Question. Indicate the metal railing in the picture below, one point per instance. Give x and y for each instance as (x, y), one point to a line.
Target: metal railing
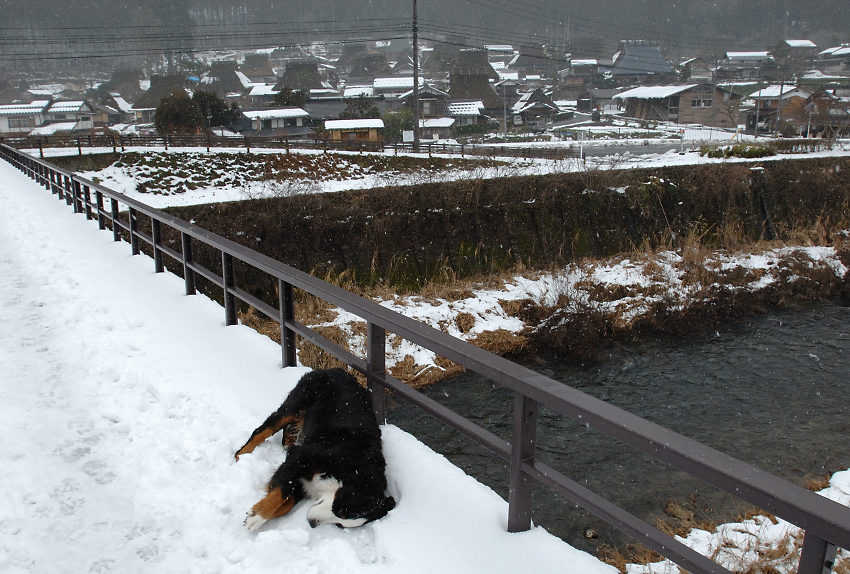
(209, 141)
(826, 523)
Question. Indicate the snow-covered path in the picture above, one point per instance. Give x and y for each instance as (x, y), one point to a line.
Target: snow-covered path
(122, 402)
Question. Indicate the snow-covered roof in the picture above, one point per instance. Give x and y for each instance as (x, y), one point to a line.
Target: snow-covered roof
(818, 75)
(801, 43)
(246, 81)
(499, 48)
(276, 113)
(67, 106)
(23, 109)
(51, 129)
(652, 92)
(466, 108)
(122, 104)
(508, 75)
(585, 62)
(748, 55)
(353, 124)
(776, 90)
(843, 50)
(404, 82)
(263, 90)
(437, 123)
(358, 91)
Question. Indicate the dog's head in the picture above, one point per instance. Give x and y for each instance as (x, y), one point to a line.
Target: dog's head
(345, 507)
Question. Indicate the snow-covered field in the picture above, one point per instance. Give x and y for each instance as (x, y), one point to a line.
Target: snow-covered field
(122, 403)
(124, 181)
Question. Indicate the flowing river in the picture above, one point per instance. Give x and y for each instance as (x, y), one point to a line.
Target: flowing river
(773, 391)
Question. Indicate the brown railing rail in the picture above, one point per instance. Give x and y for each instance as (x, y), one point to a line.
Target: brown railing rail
(826, 523)
(209, 141)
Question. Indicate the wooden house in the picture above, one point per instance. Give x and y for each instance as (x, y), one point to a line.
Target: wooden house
(703, 103)
(355, 130)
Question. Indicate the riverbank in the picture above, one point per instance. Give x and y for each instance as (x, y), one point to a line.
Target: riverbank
(581, 308)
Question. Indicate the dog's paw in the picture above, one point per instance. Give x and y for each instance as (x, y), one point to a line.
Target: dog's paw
(254, 521)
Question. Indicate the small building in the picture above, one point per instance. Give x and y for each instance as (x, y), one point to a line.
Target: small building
(742, 65)
(770, 101)
(287, 121)
(467, 113)
(432, 102)
(835, 60)
(78, 111)
(534, 109)
(436, 128)
(22, 118)
(355, 130)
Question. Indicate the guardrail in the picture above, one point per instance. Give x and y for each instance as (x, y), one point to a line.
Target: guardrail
(209, 141)
(826, 523)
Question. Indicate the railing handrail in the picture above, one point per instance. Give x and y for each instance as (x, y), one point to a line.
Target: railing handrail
(827, 523)
(270, 141)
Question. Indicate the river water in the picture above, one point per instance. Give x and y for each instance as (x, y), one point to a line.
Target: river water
(773, 391)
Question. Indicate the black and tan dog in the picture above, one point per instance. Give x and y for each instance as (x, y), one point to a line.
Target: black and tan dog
(334, 454)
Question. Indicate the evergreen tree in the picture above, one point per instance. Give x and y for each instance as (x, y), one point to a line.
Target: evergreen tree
(178, 114)
(361, 108)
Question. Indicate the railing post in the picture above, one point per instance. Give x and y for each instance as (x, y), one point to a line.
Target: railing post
(78, 196)
(66, 194)
(376, 367)
(522, 450)
(287, 313)
(188, 272)
(229, 282)
(87, 201)
(817, 556)
(156, 237)
(101, 217)
(134, 239)
(116, 229)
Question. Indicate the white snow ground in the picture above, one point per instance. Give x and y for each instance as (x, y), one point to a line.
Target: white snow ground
(122, 403)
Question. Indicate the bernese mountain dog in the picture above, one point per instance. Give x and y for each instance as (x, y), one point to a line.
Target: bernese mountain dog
(333, 454)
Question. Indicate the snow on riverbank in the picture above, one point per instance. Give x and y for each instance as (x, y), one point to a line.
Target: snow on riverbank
(759, 544)
(123, 401)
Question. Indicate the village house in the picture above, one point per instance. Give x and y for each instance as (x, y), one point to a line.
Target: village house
(78, 112)
(703, 103)
(795, 56)
(744, 65)
(469, 79)
(828, 111)
(697, 70)
(283, 122)
(355, 130)
(432, 102)
(596, 99)
(436, 128)
(534, 109)
(835, 60)
(637, 59)
(394, 86)
(467, 113)
(22, 118)
(769, 103)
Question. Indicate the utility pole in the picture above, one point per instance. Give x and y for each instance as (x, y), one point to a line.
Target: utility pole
(415, 81)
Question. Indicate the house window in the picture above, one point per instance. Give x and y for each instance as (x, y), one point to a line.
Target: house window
(21, 123)
(702, 97)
